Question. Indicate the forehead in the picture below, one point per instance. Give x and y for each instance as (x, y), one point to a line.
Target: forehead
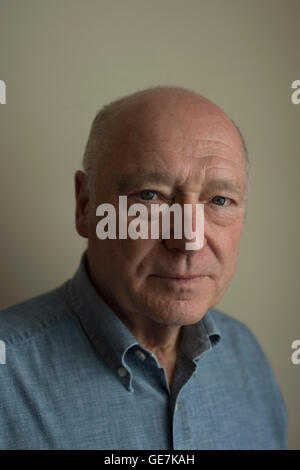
(179, 138)
(170, 117)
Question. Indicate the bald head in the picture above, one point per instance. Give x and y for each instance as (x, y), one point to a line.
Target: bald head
(137, 117)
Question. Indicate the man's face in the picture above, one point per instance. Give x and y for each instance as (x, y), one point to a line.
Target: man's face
(188, 157)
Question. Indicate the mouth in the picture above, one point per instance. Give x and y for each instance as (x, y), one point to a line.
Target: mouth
(181, 279)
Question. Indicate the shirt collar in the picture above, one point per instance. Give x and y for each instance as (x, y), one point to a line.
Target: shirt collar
(109, 335)
(107, 332)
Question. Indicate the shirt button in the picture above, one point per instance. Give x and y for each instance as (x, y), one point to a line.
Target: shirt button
(176, 407)
(140, 355)
(122, 372)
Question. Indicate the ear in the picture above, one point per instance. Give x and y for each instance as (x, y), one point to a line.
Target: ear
(82, 203)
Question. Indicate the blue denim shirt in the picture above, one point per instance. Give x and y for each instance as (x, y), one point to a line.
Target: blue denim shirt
(76, 378)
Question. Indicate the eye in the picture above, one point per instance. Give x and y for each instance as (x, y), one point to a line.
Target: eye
(148, 195)
(219, 200)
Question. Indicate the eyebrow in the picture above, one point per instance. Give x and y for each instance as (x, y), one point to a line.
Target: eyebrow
(226, 185)
(132, 180)
(126, 182)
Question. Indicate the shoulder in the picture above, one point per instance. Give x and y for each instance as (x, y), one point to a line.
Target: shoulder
(32, 317)
(241, 350)
(245, 373)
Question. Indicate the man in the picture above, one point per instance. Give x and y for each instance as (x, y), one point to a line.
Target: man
(131, 353)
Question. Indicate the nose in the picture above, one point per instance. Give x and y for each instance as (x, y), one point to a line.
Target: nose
(174, 244)
(191, 236)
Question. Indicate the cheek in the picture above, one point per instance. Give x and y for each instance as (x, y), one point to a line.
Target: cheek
(129, 258)
(225, 243)
(230, 250)
(134, 251)
(132, 258)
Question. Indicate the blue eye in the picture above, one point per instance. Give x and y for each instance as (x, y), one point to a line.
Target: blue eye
(147, 195)
(219, 200)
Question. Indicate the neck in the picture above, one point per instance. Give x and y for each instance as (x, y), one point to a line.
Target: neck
(162, 340)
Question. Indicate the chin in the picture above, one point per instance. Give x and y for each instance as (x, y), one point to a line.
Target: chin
(179, 304)
(177, 312)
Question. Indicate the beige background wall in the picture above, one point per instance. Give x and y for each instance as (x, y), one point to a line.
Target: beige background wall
(63, 59)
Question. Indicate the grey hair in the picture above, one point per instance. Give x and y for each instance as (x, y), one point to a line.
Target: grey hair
(246, 153)
(101, 140)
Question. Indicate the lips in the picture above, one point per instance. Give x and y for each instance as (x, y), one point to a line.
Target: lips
(180, 276)
(180, 279)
